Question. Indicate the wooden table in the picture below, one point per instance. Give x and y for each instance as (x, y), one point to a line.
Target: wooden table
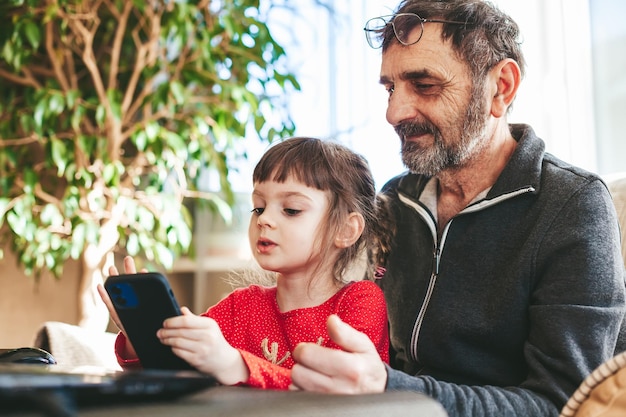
(238, 401)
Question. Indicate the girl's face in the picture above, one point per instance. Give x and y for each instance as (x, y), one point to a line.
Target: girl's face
(285, 225)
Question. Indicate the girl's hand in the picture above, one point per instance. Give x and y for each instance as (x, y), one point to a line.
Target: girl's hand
(107, 301)
(199, 341)
(129, 268)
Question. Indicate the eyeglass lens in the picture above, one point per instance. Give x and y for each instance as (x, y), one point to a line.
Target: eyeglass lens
(408, 29)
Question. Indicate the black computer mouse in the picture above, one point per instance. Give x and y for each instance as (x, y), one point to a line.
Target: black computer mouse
(27, 355)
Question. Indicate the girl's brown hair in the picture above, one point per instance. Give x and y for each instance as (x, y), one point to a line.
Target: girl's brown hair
(337, 170)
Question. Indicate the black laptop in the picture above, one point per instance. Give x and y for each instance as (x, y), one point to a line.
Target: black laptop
(56, 390)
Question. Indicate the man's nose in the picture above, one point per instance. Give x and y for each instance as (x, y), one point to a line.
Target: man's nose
(401, 107)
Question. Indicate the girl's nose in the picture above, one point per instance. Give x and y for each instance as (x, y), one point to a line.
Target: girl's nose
(265, 219)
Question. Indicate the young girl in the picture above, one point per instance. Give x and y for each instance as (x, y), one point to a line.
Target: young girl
(314, 217)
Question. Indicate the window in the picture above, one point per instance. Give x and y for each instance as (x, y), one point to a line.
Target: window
(574, 93)
(608, 37)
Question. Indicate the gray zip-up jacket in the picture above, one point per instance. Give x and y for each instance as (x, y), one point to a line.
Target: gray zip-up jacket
(521, 297)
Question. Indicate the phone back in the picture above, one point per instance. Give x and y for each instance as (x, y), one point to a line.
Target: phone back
(142, 302)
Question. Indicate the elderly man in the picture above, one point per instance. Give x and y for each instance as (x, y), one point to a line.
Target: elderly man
(505, 283)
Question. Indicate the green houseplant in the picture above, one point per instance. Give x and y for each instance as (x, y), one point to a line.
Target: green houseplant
(110, 110)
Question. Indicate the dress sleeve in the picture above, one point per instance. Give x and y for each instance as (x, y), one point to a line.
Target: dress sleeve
(264, 374)
(363, 307)
(125, 363)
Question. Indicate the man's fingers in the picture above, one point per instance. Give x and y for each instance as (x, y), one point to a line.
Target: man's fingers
(329, 361)
(346, 336)
(355, 368)
(324, 360)
(320, 358)
(310, 380)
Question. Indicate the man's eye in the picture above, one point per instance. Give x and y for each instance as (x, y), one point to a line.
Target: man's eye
(390, 89)
(426, 88)
(258, 210)
(291, 212)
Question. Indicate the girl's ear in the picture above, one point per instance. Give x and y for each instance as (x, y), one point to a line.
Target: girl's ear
(351, 230)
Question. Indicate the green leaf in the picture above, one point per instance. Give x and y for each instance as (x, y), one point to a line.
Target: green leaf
(30, 180)
(17, 223)
(56, 103)
(141, 140)
(87, 144)
(152, 131)
(71, 97)
(59, 155)
(109, 174)
(4, 203)
(38, 116)
(50, 215)
(178, 91)
(177, 143)
(78, 240)
(145, 219)
(100, 114)
(163, 255)
(132, 245)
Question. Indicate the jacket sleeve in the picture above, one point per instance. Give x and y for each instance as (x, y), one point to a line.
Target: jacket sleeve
(463, 400)
(126, 363)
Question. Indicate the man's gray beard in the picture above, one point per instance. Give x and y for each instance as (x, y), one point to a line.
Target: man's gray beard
(432, 160)
(426, 161)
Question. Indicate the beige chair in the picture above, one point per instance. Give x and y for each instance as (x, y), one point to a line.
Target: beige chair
(617, 187)
(602, 394)
(77, 346)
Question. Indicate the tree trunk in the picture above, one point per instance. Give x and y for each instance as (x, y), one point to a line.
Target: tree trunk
(92, 311)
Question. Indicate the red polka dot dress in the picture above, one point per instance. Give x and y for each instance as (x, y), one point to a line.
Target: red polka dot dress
(251, 322)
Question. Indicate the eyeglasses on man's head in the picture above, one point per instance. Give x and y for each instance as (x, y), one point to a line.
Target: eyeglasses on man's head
(407, 27)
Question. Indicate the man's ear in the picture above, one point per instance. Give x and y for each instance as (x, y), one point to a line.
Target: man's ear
(351, 231)
(504, 79)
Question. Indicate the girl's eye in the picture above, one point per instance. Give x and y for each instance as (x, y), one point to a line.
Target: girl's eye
(258, 210)
(291, 212)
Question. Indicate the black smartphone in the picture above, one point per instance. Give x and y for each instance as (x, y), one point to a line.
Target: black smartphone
(142, 302)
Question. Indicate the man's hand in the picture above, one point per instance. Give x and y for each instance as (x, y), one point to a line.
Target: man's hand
(357, 369)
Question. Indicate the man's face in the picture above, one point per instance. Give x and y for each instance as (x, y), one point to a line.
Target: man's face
(439, 114)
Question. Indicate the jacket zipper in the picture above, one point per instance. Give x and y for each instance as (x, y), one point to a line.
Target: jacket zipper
(438, 249)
